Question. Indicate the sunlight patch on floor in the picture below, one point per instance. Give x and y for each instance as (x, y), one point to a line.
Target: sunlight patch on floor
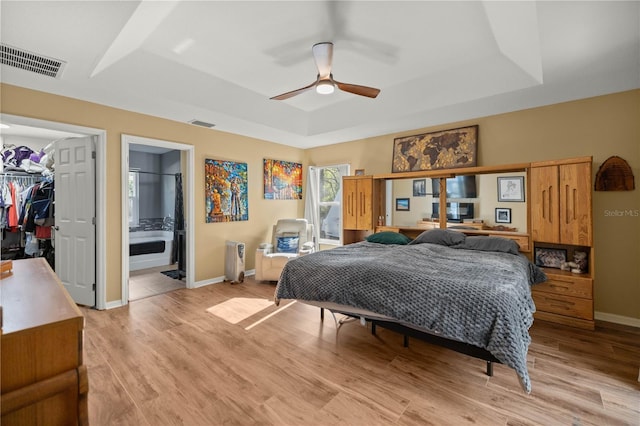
(282, 308)
(239, 308)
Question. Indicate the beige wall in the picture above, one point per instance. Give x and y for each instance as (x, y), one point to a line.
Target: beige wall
(210, 238)
(599, 127)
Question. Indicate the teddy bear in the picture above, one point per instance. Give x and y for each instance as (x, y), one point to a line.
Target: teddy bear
(579, 264)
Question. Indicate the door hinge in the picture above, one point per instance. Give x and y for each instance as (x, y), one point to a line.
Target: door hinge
(93, 155)
(94, 286)
(93, 220)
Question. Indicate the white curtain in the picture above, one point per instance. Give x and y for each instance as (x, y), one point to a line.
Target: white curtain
(311, 206)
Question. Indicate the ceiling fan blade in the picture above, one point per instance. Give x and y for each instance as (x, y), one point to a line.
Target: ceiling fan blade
(323, 55)
(369, 92)
(288, 95)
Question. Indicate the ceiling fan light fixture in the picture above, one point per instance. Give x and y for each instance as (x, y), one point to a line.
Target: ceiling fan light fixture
(325, 88)
(324, 83)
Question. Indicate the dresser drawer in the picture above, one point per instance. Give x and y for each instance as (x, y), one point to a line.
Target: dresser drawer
(567, 285)
(563, 305)
(522, 240)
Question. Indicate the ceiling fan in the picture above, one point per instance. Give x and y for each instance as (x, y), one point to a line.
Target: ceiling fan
(325, 84)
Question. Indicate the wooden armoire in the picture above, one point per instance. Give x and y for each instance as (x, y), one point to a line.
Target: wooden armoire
(561, 219)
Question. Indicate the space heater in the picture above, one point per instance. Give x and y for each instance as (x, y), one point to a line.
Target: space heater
(234, 262)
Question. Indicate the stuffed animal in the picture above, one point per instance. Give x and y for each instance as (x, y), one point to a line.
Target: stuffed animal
(579, 264)
(37, 156)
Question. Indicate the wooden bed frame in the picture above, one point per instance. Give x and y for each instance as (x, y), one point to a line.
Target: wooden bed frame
(460, 347)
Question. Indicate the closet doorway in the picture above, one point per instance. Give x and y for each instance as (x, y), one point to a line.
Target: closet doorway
(157, 232)
(93, 269)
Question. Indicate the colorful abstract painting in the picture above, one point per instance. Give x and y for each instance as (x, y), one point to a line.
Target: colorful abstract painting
(226, 198)
(282, 180)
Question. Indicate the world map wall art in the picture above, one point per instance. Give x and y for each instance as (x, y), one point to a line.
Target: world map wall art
(445, 149)
(282, 180)
(225, 191)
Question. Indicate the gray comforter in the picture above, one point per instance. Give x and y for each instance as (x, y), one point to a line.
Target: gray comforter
(477, 297)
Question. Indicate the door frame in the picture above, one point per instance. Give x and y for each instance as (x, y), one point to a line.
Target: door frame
(188, 150)
(101, 190)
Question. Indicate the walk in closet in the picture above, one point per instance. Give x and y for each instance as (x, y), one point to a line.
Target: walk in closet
(27, 202)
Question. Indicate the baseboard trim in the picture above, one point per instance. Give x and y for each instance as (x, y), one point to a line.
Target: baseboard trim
(617, 319)
(216, 280)
(219, 279)
(118, 303)
(114, 304)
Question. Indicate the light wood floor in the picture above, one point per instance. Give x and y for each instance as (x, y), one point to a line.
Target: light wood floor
(166, 360)
(151, 281)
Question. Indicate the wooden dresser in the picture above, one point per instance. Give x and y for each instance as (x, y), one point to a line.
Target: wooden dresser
(565, 298)
(43, 379)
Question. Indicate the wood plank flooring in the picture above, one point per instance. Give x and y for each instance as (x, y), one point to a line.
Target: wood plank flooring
(165, 360)
(151, 281)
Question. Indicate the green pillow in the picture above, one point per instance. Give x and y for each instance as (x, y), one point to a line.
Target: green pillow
(388, 237)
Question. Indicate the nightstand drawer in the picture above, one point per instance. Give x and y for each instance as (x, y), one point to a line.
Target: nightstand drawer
(567, 285)
(522, 240)
(563, 305)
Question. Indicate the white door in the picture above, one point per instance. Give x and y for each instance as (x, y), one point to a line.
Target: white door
(75, 218)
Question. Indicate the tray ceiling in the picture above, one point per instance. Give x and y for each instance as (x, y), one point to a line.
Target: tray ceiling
(220, 61)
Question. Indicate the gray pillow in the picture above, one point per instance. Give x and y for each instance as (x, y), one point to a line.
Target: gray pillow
(482, 243)
(443, 237)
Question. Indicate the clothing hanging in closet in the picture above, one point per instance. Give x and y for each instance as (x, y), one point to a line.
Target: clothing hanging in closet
(26, 216)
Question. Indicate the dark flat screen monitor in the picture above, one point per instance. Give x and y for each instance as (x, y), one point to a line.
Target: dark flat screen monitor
(457, 187)
(456, 212)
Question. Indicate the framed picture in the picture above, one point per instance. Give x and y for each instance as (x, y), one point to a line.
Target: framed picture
(420, 188)
(445, 149)
(359, 172)
(282, 180)
(225, 189)
(550, 257)
(511, 188)
(503, 215)
(402, 204)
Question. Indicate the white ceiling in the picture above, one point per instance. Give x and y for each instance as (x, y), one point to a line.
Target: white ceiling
(220, 62)
(21, 131)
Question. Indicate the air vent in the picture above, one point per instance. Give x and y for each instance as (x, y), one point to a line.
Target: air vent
(29, 61)
(202, 123)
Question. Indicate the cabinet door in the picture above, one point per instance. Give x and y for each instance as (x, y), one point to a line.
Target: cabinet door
(357, 203)
(349, 207)
(575, 204)
(545, 223)
(365, 204)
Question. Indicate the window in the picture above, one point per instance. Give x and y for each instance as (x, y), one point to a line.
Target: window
(330, 202)
(134, 201)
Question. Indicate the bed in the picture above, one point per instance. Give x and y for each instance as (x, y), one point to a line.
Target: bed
(467, 290)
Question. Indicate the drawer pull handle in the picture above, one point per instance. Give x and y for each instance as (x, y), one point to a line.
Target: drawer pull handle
(564, 302)
(563, 287)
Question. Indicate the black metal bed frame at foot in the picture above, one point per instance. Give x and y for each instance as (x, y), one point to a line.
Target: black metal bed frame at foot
(457, 346)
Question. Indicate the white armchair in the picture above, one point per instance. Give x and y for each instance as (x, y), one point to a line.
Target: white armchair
(290, 238)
